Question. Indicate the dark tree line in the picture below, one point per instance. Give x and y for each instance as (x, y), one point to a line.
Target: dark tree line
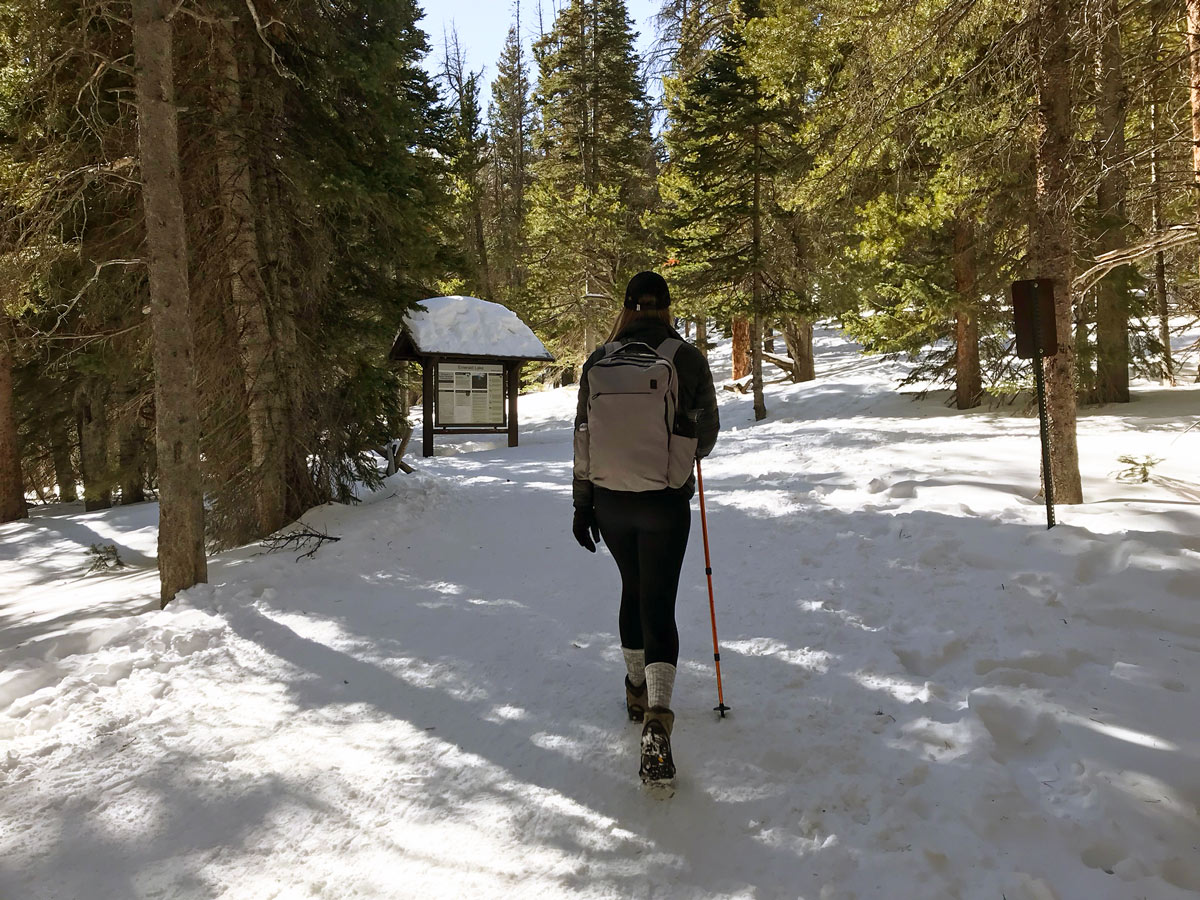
(216, 214)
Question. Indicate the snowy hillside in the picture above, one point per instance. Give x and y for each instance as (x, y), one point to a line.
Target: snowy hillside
(932, 696)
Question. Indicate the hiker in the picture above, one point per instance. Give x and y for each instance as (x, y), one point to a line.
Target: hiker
(633, 486)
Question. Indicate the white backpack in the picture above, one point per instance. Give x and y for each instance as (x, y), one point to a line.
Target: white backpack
(628, 442)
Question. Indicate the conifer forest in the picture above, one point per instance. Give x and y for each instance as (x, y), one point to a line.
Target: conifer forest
(215, 214)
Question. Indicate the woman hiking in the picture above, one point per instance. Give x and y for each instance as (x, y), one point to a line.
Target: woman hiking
(647, 410)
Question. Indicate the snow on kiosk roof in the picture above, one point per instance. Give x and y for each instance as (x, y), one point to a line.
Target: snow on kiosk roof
(466, 327)
(471, 352)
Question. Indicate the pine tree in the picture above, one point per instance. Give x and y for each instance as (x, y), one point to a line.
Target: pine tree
(1052, 235)
(513, 124)
(594, 179)
(12, 484)
(1112, 319)
(468, 159)
(181, 559)
(727, 143)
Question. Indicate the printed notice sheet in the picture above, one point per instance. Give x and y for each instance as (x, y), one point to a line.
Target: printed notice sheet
(470, 394)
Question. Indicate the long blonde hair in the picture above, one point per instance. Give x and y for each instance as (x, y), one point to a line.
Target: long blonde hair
(628, 316)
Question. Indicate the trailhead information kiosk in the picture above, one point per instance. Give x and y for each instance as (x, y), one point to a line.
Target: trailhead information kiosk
(471, 352)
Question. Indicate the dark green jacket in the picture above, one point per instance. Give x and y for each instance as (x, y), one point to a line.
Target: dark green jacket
(697, 399)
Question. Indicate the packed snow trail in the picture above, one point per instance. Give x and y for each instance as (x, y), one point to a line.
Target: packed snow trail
(932, 696)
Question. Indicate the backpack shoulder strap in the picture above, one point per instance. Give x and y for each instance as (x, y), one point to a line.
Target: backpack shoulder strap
(612, 347)
(668, 348)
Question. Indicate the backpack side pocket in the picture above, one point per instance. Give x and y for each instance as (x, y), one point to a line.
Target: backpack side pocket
(681, 459)
(583, 467)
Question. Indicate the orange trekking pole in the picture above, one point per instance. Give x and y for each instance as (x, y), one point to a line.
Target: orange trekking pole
(712, 607)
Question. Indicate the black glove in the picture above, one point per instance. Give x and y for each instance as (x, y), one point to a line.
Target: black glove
(585, 521)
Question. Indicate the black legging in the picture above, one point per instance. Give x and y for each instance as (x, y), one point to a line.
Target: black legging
(647, 534)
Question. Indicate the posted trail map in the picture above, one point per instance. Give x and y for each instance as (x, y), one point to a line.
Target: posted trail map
(470, 394)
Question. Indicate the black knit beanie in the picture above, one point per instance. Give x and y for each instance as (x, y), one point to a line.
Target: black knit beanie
(647, 284)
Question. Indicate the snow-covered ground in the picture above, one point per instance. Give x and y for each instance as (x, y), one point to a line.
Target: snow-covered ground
(932, 695)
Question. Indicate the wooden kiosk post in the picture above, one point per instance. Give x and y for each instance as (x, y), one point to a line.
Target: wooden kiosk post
(514, 388)
(427, 376)
(471, 352)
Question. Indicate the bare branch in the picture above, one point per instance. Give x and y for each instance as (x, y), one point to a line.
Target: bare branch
(1175, 236)
(71, 304)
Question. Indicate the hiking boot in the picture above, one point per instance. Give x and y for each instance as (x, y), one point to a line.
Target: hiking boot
(635, 700)
(657, 764)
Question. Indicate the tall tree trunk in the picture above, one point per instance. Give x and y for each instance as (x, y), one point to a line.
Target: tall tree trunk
(277, 206)
(756, 368)
(756, 347)
(94, 434)
(741, 348)
(287, 401)
(1085, 353)
(12, 483)
(1160, 258)
(1112, 301)
(769, 339)
(798, 335)
(248, 291)
(130, 446)
(60, 452)
(485, 270)
(1052, 237)
(702, 335)
(181, 561)
(1193, 46)
(968, 379)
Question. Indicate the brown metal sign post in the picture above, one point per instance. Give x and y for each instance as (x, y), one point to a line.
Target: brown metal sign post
(1037, 338)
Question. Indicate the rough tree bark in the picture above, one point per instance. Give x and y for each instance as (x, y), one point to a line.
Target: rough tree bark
(968, 379)
(91, 406)
(1112, 301)
(274, 200)
(702, 335)
(798, 336)
(756, 347)
(741, 348)
(249, 294)
(1193, 46)
(60, 451)
(130, 447)
(1052, 235)
(181, 561)
(1156, 212)
(756, 368)
(12, 483)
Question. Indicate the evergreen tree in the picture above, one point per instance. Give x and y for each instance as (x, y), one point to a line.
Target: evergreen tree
(513, 125)
(728, 144)
(594, 182)
(181, 558)
(468, 161)
(311, 149)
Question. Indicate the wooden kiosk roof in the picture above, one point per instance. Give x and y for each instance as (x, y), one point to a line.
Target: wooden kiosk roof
(465, 328)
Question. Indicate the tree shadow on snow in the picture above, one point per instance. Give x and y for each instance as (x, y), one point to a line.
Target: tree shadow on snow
(815, 778)
(540, 707)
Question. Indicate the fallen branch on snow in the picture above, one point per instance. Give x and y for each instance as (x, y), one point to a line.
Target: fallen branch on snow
(298, 539)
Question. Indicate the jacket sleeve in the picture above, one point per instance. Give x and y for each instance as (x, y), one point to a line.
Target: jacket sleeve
(581, 488)
(708, 419)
